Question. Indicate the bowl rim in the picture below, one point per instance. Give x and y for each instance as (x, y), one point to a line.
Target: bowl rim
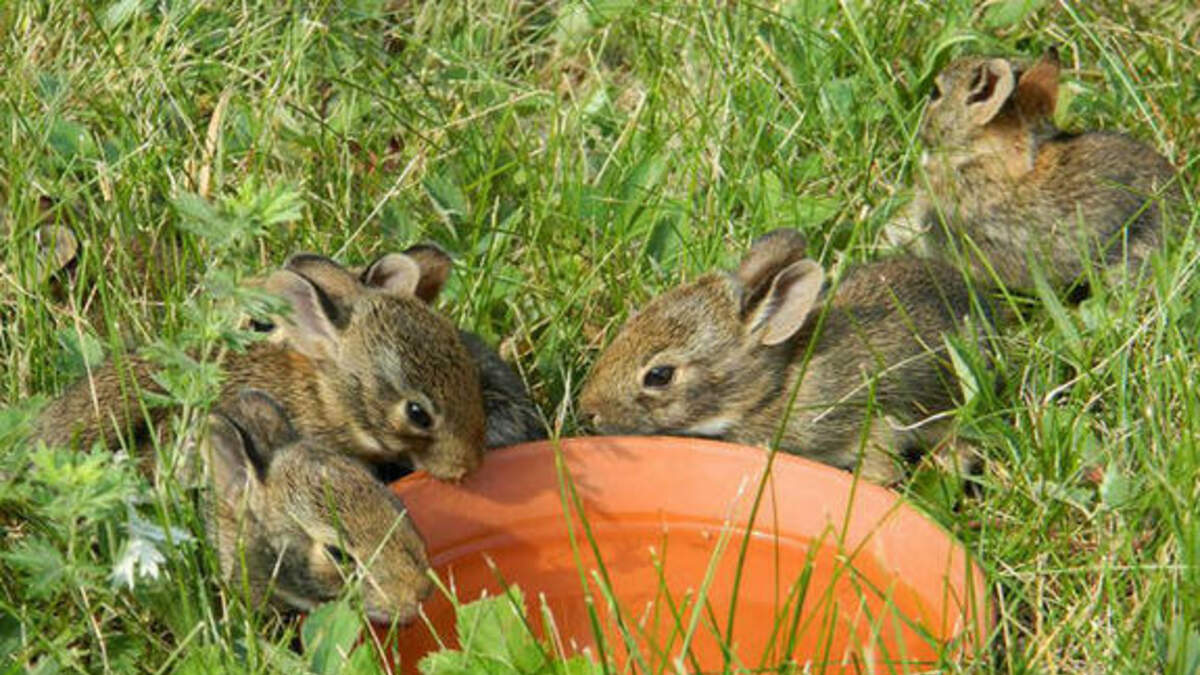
(978, 614)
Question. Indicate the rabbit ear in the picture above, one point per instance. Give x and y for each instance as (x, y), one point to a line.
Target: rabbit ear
(243, 443)
(1037, 88)
(309, 328)
(420, 270)
(991, 88)
(435, 267)
(337, 283)
(769, 254)
(394, 273)
(57, 247)
(230, 456)
(265, 420)
(787, 303)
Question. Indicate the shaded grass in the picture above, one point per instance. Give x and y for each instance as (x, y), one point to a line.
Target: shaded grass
(576, 159)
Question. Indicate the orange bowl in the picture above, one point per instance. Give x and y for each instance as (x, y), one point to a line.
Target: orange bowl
(836, 573)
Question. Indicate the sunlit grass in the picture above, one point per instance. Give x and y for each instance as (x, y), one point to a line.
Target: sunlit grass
(575, 158)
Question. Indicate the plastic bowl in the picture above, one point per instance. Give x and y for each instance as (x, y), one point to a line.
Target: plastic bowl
(881, 588)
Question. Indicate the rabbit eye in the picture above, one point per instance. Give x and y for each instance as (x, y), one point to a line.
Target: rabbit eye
(339, 555)
(418, 415)
(658, 376)
(935, 93)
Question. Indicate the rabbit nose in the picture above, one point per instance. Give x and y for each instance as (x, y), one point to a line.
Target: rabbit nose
(591, 420)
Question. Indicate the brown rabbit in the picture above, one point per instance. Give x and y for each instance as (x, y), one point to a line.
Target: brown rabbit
(383, 378)
(54, 253)
(1006, 184)
(292, 516)
(143, 265)
(55, 248)
(511, 416)
(722, 356)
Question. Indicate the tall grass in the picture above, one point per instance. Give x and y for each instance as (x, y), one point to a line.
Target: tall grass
(576, 158)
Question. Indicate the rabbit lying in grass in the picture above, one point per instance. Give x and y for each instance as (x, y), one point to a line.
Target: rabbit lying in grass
(57, 249)
(381, 377)
(1005, 184)
(722, 356)
(54, 251)
(145, 265)
(295, 518)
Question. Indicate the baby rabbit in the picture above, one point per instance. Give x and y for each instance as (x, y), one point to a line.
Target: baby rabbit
(290, 515)
(55, 248)
(1007, 184)
(511, 416)
(721, 358)
(381, 376)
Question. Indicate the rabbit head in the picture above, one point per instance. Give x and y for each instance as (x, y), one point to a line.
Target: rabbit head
(396, 370)
(302, 520)
(698, 358)
(57, 249)
(983, 105)
(511, 416)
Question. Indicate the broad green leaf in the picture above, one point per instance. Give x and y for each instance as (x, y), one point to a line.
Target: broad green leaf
(80, 350)
(446, 662)
(769, 192)
(1008, 13)
(328, 634)
(1116, 489)
(665, 239)
(808, 10)
(578, 665)
(640, 185)
(809, 167)
(811, 211)
(491, 627)
(605, 11)
(968, 382)
(838, 98)
(495, 639)
(363, 661)
(70, 139)
(119, 12)
(573, 25)
(447, 195)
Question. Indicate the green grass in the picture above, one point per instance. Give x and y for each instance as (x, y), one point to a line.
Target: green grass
(576, 158)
